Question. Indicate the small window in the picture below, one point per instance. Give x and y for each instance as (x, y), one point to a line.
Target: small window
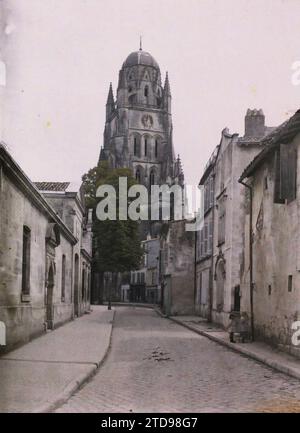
(152, 178)
(146, 146)
(129, 89)
(269, 289)
(146, 92)
(156, 148)
(285, 173)
(266, 183)
(135, 146)
(290, 283)
(138, 175)
(26, 261)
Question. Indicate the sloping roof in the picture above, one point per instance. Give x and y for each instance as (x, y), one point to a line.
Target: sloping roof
(52, 186)
(25, 185)
(283, 134)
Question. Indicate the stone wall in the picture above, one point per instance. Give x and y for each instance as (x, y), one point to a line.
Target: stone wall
(276, 259)
(179, 270)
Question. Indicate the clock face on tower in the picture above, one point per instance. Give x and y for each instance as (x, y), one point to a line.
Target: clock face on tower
(147, 121)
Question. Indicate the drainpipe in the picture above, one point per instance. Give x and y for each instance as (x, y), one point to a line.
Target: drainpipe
(195, 270)
(250, 256)
(211, 276)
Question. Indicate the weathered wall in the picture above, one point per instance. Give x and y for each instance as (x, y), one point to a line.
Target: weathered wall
(24, 320)
(234, 156)
(276, 255)
(179, 292)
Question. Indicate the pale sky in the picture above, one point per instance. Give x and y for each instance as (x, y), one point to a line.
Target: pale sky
(222, 56)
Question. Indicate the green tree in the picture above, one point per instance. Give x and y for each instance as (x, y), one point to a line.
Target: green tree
(117, 245)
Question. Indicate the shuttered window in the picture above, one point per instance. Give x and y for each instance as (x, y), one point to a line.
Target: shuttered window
(285, 174)
(221, 221)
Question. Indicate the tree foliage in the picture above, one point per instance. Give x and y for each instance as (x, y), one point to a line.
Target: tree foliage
(116, 243)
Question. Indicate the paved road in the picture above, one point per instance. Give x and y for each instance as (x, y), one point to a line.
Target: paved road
(156, 365)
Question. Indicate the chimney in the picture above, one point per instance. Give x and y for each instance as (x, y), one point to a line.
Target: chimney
(254, 123)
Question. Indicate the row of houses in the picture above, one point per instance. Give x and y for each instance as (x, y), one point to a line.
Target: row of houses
(45, 253)
(245, 256)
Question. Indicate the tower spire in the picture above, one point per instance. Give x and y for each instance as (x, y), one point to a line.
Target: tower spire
(110, 103)
(110, 96)
(141, 43)
(167, 85)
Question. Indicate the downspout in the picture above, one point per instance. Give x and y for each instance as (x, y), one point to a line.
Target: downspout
(195, 270)
(211, 277)
(250, 256)
(72, 283)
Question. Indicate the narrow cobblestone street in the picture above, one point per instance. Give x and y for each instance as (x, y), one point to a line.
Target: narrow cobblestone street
(155, 365)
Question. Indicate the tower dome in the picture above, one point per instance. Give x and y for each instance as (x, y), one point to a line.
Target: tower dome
(140, 57)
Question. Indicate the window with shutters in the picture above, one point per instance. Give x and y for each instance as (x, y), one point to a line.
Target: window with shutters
(26, 261)
(210, 235)
(208, 193)
(285, 173)
(205, 238)
(221, 221)
(211, 191)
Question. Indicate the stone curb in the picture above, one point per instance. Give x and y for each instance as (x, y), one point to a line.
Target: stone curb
(131, 304)
(290, 371)
(75, 384)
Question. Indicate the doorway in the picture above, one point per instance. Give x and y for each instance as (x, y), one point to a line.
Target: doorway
(49, 299)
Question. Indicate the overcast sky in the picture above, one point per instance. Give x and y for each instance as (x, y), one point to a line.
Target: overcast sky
(222, 57)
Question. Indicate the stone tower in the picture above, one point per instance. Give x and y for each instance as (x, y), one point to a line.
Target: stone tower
(138, 126)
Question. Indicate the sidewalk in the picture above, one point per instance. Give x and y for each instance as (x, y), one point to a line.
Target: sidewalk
(261, 352)
(47, 371)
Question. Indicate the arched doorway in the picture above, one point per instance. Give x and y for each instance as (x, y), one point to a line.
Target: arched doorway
(76, 286)
(49, 306)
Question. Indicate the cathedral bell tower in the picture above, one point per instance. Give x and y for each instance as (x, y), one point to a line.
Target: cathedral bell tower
(138, 126)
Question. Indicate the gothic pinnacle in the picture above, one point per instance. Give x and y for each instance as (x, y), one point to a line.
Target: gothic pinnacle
(110, 97)
(167, 84)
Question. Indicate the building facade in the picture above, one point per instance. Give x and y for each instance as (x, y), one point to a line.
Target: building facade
(144, 282)
(221, 240)
(204, 241)
(272, 264)
(37, 259)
